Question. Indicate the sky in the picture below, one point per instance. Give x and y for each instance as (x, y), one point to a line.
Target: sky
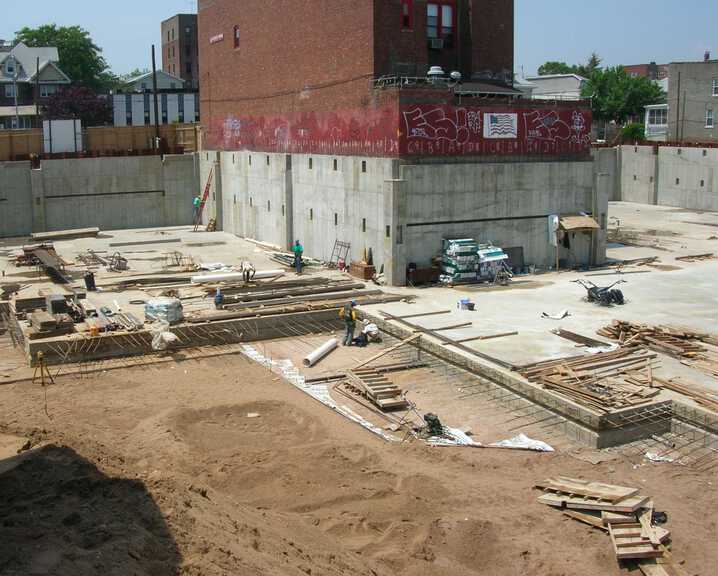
(620, 31)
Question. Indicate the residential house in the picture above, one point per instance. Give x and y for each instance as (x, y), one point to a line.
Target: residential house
(23, 72)
(651, 71)
(656, 122)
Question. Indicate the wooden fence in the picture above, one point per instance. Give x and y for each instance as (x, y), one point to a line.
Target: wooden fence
(16, 144)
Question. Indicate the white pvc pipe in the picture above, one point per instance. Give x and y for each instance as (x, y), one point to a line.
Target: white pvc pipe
(233, 276)
(320, 352)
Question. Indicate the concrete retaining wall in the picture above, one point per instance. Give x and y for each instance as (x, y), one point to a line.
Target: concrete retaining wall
(110, 193)
(402, 212)
(669, 176)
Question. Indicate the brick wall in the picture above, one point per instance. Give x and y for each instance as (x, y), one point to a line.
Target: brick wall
(492, 32)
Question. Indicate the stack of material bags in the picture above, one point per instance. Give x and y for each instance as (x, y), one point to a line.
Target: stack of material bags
(459, 261)
(622, 512)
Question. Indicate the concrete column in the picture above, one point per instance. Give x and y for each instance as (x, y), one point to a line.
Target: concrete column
(288, 203)
(37, 183)
(395, 191)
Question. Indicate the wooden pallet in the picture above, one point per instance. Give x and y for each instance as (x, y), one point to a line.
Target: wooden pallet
(589, 490)
(629, 543)
(376, 387)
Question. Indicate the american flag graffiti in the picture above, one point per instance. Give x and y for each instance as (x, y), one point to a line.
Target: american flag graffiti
(501, 125)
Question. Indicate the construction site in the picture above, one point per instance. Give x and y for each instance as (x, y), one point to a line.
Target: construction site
(196, 436)
(380, 313)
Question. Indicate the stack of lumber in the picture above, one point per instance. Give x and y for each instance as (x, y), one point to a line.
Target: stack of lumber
(673, 341)
(695, 349)
(705, 398)
(620, 511)
(605, 381)
(695, 257)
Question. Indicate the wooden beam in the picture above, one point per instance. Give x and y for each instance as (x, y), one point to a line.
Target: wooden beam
(454, 327)
(424, 314)
(387, 351)
(488, 337)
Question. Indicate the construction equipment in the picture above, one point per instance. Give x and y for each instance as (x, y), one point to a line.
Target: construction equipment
(118, 263)
(433, 425)
(607, 296)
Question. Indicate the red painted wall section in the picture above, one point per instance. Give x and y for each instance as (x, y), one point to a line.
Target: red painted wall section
(410, 130)
(445, 130)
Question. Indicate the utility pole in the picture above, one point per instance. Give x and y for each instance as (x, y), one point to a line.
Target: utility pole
(14, 83)
(37, 93)
(154, 89)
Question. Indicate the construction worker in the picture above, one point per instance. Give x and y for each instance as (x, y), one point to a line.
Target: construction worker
(196, 203)
(218, 299)
(369, 333)
(248, 271)
(298, 250)
(350, 318)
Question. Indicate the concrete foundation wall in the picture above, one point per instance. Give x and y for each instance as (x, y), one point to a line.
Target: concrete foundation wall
(688, 178)
(504, 203)
(637, 174)
(15, 199)
(110, 193)
(402, 212)
(670, 176)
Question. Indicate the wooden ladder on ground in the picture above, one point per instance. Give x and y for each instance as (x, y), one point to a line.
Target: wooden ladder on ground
(377, 388)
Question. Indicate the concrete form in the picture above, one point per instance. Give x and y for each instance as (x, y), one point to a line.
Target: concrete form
(110, 193)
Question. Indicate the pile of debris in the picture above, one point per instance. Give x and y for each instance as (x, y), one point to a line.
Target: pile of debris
(465, 260)
(628, 517)
(605, 381)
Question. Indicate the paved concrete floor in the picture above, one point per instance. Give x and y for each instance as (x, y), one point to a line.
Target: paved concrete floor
(681, 294)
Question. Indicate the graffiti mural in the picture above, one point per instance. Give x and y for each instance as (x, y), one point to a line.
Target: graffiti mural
(409, 130)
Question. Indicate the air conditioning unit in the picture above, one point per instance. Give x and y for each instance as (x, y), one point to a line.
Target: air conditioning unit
(436, 43)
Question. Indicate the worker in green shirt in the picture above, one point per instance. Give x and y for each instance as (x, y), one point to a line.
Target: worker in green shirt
(298, 250)
(196, 203)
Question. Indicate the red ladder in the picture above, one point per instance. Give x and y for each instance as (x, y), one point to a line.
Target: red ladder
(198, 219)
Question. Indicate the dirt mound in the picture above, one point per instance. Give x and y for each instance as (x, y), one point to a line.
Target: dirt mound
(61, 515)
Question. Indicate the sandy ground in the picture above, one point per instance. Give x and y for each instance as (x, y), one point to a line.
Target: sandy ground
(219, 467)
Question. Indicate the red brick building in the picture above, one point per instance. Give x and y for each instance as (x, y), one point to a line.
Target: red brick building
(350, 77)
(179, 49)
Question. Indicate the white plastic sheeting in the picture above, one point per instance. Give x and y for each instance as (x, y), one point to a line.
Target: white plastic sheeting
(523, 442)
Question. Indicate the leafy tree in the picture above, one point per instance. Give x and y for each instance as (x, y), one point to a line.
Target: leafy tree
(633, 133)
(554, 67)
(80, 58)
(585, 70)
(617, 96)
(79, 102)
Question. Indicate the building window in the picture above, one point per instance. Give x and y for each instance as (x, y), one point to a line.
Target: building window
(440, 24)
(10, 66)
(658, 116)
(47, 90)
(336, 165)
(363, 166)
(168, 35)
(236, 37)
(407, 14)
(710, 119)
(715, 87)
(173, 33)
(9, 90)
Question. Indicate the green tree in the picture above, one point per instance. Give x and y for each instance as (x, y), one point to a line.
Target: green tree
(633, 133)
(554, 67)
(617, 96)
(80, 58)
(587, 69)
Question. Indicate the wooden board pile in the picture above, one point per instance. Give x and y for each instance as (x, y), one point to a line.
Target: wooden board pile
(695, 349)
(621, 512)
(606, 381)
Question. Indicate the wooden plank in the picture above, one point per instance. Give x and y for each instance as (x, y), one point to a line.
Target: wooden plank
(576, 503)
(388, 350)
(589, 519)
(489, 337)
(631, 548)
(65, 234)
(617, 518)
(647, 530)
(454, 327)
(608, 492)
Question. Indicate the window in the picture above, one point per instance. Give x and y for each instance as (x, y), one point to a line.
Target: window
(363, 166)
(9, 90)
(168, 35)
(710, 118)
(336, 165)
(10, 66)
(47, 90)
(407, 14)
(440, 23)
(715, 87)
(236, 37)
(173, 33)
(658, 116)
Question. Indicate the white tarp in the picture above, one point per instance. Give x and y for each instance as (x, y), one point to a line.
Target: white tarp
(523, 442)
